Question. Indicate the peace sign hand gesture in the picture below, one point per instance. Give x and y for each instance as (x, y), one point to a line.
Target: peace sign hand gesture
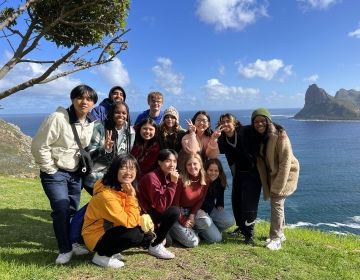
(192, 127)
(109, 143)
(216, 134)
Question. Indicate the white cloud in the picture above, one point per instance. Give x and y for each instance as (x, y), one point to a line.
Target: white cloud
(218, 91)
(355, 33)
(317, 4)
(115, 73)
(312, 79)
(230, 14)
(166, 77)
(265, 69)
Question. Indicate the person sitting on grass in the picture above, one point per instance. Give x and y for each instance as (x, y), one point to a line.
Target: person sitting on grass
(213, 204)
(156, 193)
(112, 218)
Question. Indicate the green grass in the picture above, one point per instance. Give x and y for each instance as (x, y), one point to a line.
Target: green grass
(28, 250)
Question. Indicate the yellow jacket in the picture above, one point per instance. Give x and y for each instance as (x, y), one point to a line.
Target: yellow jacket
(108, 208)
(278, 168)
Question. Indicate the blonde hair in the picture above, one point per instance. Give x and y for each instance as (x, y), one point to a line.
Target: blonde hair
(155, 94)
(186, 176)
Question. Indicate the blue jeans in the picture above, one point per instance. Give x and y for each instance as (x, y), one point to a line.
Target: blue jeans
(209, 227)
(63, 190)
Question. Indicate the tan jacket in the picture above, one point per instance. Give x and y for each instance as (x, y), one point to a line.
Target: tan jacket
(54, 146)
(279, 169)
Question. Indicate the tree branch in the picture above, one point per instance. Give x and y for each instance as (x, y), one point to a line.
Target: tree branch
(17, 13)
(40, 78)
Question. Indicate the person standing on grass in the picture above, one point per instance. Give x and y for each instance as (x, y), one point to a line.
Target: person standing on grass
(155, 100)
(111, 138)
(57, 153)
(278, 168)
(112, 218)
(236, 142)
(213, 204)
(156, 193)
(116, 94)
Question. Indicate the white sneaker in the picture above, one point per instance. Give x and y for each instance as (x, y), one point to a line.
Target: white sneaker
(118, 256)
(80, 249)
(64, 258)
(160, 252)
(282, 239)
(274, 245)
(104, 261)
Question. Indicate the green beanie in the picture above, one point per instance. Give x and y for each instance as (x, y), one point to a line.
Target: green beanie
(260, 112)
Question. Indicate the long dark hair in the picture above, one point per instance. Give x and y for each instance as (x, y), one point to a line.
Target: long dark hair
(222, 175)
(139, 139)
(164, 154)
(110, 124)
(208, 131)
(110, 178)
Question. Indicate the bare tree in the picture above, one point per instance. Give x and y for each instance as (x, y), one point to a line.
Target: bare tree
(88, 32)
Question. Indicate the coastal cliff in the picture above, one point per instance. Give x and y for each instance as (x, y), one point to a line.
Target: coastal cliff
(319, 105)
(16, 158)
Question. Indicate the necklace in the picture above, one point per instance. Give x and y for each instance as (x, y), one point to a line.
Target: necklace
(195, 181)
(235, 140)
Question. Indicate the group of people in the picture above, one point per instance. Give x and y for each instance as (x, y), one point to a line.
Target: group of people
(158, 170)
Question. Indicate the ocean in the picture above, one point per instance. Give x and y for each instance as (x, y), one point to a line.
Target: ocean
(328, 194)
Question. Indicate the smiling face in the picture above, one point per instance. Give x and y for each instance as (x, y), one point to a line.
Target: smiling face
(193, 166)
(227, 124)
(260, 124)
(213, 172)
(170, 121)
(117, 95)
(82, 105)
(201, 123)
(168, 165)
(127, 173)
(155, 103)
(120, 115)
(147, 131)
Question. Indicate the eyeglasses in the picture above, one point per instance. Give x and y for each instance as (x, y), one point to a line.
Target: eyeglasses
(127, 168)
(201, 121)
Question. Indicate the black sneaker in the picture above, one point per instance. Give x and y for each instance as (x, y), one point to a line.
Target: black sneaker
(249, 240)
(236, 233)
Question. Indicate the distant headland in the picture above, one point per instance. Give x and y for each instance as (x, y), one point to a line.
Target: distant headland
(319, 105)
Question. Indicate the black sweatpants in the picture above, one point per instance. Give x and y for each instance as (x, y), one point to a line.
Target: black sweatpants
(245, 200)
(165, 221)
(118, 239)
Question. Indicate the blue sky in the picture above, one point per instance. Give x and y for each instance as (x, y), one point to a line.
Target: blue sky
(215, 55)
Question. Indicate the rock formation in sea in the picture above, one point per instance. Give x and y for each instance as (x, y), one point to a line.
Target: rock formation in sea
(319, 105)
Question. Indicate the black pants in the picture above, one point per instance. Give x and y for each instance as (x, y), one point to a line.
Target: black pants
(245, 200)
(165, 221)
(118, 239)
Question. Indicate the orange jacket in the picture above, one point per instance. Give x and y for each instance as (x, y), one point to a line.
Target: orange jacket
(108, 208)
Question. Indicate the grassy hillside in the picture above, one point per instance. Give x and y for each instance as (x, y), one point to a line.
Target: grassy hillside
(28, 250)
(16, 158)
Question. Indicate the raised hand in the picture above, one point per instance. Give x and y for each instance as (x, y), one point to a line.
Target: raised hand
(216, 134)
(109, 143)
(174, 176)
(191, 126)
(128, 189)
